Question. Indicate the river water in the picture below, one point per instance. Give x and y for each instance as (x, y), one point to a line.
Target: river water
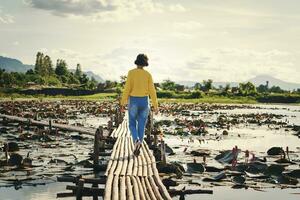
(256, 139)
(251, 137)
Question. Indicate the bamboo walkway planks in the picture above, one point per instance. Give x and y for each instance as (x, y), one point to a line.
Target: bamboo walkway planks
(128, 177)
(131, 177)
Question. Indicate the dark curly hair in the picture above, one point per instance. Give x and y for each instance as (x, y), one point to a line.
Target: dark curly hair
(141, 60)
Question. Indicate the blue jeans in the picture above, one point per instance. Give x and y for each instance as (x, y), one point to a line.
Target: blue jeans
(138, 110)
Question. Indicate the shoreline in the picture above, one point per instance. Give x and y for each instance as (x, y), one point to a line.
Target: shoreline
(113, 96)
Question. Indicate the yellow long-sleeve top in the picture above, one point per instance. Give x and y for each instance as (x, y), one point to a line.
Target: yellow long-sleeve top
(139, 83)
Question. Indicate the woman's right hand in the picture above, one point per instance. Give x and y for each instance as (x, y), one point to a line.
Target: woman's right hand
(122, 109)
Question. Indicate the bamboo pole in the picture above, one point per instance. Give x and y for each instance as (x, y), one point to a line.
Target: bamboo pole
(96, 147)
(50, 125)
(163, 152)
(6, 153)
(79, 189)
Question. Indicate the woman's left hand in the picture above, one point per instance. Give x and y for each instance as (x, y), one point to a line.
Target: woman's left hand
(155, 111)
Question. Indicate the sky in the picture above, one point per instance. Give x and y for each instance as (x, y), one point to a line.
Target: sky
(185, 40)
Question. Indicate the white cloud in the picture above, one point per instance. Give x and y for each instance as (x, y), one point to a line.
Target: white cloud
(181, 35)
(187, 25)
(74, 7)
(227, 64)
(106, 66)
(16, 43)
(6, 18)
(114, 63)
(188, 45)
(177, 8)
(3, 54)
(104, 10)
(220, 64)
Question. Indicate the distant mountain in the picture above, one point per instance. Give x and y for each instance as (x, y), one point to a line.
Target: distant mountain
(187, 83)
(13, 65)
(258, 80)
(215, 84)
(261, 79)
(223, 84)
(91, 74)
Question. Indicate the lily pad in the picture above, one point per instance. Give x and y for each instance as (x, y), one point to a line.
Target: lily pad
(258, 175)
(275, 151)
(283, 179)
(295, 173)
(275, 170)
(239, 180)
(213, 169)
(225, 156)
(200, 153)
(216, 178)
(195, 168)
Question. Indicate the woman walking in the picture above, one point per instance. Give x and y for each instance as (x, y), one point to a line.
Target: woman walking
(139, 85)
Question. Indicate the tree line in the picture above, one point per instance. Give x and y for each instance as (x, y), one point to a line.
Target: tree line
(46, 74)
(243, 89)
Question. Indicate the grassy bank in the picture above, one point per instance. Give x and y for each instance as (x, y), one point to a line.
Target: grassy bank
(95, 97)
(112, 96)
(272, 98)
(213, 99)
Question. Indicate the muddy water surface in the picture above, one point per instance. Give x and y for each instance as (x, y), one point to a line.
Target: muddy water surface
(255, 138)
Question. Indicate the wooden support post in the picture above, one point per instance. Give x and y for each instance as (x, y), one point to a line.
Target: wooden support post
(6, 153)
(87, 191)
(64, 195)
(96, 147)
(110, 124)
(151, 122)
(95, 195)
(36, 117)
(79, 189)
(121, 116)
(155, 138)
(163, 152)
(101, 140)
(28, 123)
(13, 107)
(149, 126)
(50, 125)
(4, 121)
(73, 179)
(118, 116)
(111, 116)
(185, 192)
(56, 132)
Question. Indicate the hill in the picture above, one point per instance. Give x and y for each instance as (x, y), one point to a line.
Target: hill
(91, 74)
(261, 79)
(13, 65)
(258, 80)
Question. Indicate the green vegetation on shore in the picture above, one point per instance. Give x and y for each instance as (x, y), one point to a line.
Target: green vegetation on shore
(94, 97)
(203, 99)
(47, 81)
(214, 99)
(45, 74)
(240, 95)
